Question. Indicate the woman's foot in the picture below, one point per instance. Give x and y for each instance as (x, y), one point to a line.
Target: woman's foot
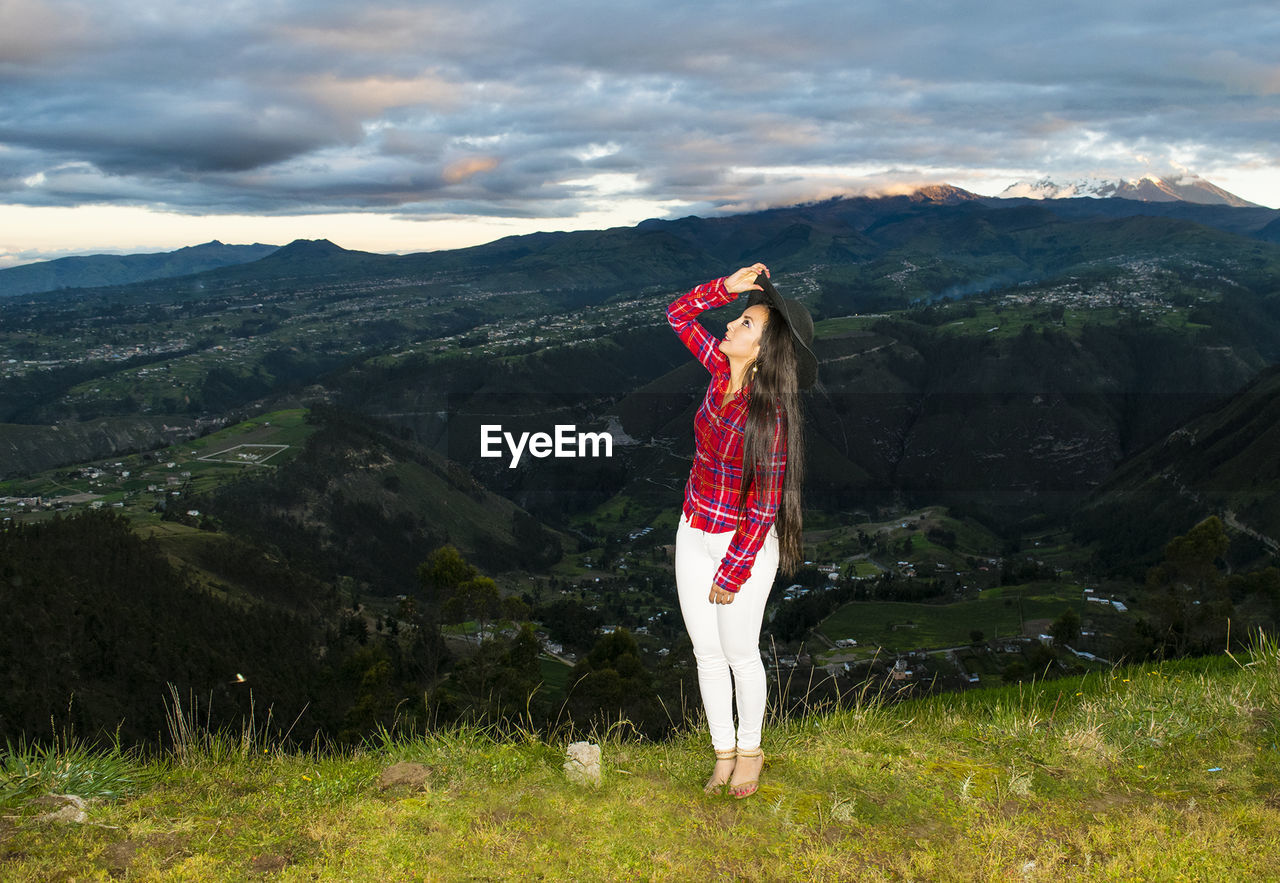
(746, 773)
(725, 763)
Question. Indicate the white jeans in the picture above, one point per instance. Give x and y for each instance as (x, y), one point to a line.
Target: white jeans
(726, 637)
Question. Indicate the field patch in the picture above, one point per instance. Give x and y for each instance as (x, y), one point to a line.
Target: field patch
(252, 455)
(1006, 612)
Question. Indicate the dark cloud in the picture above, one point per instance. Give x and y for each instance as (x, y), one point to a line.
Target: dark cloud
(511, 108)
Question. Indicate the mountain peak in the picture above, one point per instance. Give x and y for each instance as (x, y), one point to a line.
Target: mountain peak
(308, 248)
(942, 193)
(1182, 188)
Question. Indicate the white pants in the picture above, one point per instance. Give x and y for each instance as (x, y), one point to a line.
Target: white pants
(726, 637)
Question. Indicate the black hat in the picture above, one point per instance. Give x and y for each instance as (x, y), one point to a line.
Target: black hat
(799, 321)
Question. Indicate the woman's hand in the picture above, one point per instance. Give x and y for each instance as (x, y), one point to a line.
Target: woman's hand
(745, 279)
(719, 595)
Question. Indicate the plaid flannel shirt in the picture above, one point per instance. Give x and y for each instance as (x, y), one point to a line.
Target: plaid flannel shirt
(711, 493)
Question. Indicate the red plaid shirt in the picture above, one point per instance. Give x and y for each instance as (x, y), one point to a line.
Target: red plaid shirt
(711, 494)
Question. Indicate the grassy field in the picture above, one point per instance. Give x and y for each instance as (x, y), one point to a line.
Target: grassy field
(898, 625)
(555, 675)
(1168, 772)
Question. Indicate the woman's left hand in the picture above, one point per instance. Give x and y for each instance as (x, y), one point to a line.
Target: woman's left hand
(720, 596)
(745, 279)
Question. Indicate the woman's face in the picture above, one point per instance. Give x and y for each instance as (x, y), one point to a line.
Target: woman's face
(742, 336)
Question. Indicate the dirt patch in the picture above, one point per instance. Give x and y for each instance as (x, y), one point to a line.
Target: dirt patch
(928, 829)
(502, 819)
(268, 863)
(1089, 743)
(167, 848)
(1260, 720)
(117, 857)
(1108, 802)
(7, 853)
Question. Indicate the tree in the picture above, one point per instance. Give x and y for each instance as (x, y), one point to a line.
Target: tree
(375, 695)
(1191, 602)
(1192, 558)
(612, 684)
(571, 623)
(475, 598)
(458, 589)
(444, 571)
(500, 680)
(1014, 672)
(1066, 628)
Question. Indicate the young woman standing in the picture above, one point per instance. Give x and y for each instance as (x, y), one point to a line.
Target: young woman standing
(741, 516)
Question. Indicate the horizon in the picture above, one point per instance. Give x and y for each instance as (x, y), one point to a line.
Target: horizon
(364, 246)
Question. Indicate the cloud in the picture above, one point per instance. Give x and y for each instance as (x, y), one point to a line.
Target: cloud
(507, 109)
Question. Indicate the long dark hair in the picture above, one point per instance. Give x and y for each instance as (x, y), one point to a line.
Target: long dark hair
(774, 388)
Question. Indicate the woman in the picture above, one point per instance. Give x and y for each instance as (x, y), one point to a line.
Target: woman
(741, 514)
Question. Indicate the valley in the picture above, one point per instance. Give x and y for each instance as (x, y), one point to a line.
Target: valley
(1005, 438)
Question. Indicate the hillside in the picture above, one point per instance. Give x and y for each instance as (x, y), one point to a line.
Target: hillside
(268, 554)
(94, 271)
(29, 449)
(1166, 772)
(1222, 462)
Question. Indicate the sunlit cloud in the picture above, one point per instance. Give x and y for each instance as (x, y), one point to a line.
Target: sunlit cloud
(462, 169)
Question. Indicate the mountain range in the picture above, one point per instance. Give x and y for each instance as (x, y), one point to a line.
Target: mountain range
(92, 271)
(1185, 188)
(1189, 198)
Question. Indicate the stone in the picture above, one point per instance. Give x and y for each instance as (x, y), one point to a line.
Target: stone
(413, 775)
(70, 808)
(582, 765)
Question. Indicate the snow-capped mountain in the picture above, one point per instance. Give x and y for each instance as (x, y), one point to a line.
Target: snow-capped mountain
(1186, 188)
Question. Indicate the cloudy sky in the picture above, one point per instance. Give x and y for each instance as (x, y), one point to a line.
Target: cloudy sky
(145, 125)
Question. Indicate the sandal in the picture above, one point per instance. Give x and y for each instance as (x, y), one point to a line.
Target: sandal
(717, 787)
(746, 789)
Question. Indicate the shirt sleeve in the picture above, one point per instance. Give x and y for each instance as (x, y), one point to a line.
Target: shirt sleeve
(761, 512)
(682, 315)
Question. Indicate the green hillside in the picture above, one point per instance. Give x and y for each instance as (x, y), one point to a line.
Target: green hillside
(1160, 773)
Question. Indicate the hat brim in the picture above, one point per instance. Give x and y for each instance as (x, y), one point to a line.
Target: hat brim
(793, 313)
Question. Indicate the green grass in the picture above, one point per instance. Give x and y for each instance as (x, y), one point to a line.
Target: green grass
(1167, 772)
(555, 675)
(843, 324)
(864, 569)
(66, 766)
